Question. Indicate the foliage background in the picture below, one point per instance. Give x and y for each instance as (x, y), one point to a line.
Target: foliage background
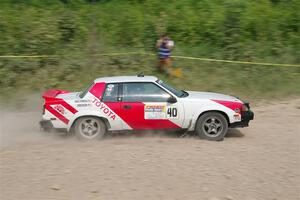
(78, 30)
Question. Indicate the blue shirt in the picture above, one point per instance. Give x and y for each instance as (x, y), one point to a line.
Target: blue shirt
(163, 51)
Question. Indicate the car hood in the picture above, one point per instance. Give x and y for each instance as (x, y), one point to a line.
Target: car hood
(210, 95)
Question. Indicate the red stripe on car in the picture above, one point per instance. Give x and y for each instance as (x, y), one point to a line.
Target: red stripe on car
(64, 104)
(68, 106)
(97, 90)
(59, 101)
(56, 114)
(229, 104)
(135, 117)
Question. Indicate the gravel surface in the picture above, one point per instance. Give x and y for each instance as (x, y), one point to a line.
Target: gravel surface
(261, 162)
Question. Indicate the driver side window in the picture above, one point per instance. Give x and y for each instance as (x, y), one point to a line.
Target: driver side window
(143, 92)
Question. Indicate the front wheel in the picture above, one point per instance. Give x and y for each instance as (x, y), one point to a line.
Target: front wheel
(212, 126)
(90, 128)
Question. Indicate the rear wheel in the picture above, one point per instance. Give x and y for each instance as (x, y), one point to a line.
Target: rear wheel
(90, 128)
(212, 126)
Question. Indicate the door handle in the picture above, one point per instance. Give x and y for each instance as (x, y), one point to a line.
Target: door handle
(127, 107)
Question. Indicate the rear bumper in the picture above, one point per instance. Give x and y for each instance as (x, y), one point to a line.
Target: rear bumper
(46, 124)
(246, 116)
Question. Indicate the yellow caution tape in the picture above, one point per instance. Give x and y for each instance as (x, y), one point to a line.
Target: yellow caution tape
(152, 54)
(237, 62)
(117, 54)
(50, 56)
(230, 61)
(28, 56)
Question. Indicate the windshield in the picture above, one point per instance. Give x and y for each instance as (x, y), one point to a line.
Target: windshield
(178, 93)
(83, 93)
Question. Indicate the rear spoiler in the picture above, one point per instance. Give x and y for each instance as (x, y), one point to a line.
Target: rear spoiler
(51, 94)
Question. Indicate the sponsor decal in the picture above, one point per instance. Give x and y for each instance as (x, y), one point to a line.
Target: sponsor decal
(135, 117)
(84, 105)
(56, 114)
(82, 101)
(237, 117)
(172, 112)
(104, 108)
(155, 111)
(60, 109)
(160, 112)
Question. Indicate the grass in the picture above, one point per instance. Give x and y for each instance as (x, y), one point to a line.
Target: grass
(75, 72)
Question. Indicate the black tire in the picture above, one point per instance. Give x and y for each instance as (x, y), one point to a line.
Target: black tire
(89, 128)
(212, 126)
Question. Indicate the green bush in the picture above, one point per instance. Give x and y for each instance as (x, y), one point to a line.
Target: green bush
(264, 31)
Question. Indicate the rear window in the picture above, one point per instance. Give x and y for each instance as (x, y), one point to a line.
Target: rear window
(111, 93)
(83, 93)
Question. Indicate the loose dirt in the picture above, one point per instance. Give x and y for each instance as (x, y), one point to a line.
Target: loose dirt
(261, 162)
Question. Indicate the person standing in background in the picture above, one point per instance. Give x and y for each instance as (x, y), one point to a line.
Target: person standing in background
(164, 46)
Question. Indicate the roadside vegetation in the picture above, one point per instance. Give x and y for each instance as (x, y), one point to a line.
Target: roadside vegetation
(79, 30)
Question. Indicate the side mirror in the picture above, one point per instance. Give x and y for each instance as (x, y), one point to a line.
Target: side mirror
(172, 99)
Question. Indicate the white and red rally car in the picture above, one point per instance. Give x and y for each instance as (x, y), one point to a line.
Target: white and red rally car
(142, 103)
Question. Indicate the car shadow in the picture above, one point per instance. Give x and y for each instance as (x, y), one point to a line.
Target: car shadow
(141, 134)
(232, 133)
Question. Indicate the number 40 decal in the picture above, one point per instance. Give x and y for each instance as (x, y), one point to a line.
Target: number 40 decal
(172, 112)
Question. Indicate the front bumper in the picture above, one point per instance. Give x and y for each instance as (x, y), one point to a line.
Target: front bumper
(246, 116)
(46, 124)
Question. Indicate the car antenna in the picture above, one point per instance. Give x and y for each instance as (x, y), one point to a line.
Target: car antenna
(141, 74)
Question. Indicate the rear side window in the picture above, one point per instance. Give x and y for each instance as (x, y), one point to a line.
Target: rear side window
(83, 93)
(143, 92)
(111, 93)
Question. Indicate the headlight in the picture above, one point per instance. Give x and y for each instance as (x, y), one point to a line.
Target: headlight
(237, 110)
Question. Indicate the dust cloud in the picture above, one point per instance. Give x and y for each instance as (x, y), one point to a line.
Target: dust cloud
(259, 162)
(19, 123)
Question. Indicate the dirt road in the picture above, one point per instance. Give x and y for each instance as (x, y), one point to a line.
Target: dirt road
(261, 162)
